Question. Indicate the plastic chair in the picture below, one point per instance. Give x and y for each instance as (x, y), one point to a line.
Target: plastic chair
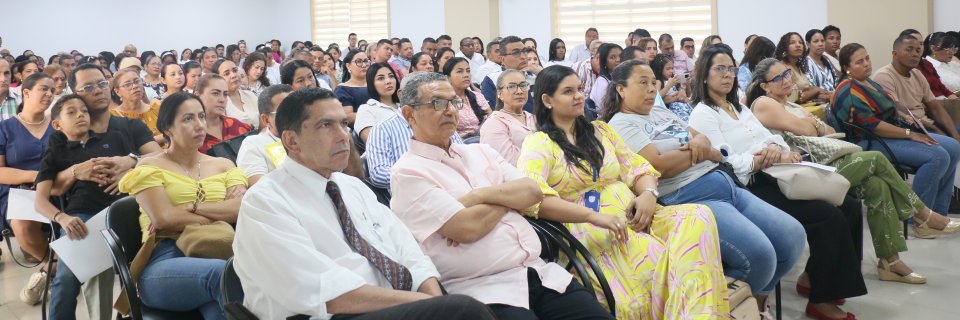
(123, 236)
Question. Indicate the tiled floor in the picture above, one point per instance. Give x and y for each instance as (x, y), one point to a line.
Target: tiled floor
(938, 259)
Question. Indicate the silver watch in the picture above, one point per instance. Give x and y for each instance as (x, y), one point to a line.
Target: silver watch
(908, 132)
(653, 191)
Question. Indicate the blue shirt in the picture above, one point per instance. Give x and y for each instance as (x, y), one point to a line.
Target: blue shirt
(352, 96)
(387, 142)
(21, 150)
(744, 76)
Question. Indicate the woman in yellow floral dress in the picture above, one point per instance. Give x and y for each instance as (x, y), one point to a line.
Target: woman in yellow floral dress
(668, 266)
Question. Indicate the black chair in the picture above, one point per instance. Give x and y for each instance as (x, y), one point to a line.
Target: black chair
(383, 195)
(229, 149)
(357, 142)
(123, 236)
(232, 293)
(555, 238)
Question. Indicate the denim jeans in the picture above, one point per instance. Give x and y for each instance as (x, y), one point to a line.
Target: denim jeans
(174, 282)
(936, 167)
(758, 242)
(97, 292)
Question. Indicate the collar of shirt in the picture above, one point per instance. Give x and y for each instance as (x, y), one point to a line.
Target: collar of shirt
(92, 137)
(433, 152)
(305, 175)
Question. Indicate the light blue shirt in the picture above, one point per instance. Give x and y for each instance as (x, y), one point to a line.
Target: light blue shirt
(387, 142)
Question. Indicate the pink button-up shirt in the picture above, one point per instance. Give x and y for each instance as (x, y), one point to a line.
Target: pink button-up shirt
(681, 62)
(505, 134)
(426, 183)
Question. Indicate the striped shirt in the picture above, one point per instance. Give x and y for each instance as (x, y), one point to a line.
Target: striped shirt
(8, 107)
(387, 142)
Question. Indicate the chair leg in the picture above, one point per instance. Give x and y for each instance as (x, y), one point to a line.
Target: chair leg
(778, 307)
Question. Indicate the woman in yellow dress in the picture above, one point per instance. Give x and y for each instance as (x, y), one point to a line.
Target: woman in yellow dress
(177, 188)
(128, 94)
(667, 266)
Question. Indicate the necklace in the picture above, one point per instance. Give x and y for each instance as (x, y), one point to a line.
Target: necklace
(32, 123)
(519, 114)
(167, 154)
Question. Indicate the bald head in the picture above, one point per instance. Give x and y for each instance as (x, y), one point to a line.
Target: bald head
(130, 50)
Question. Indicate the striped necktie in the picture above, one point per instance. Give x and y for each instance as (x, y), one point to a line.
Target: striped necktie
(398, 275)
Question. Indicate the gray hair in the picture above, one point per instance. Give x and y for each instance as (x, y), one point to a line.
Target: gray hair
(500, 80)
(505, 41)
(411, 90)
(265, 100)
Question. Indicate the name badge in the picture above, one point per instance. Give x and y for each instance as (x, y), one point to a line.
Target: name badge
(591, 200)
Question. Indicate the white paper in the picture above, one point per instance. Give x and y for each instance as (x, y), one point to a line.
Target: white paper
(87, 257)
(20, 206)
(809, 164)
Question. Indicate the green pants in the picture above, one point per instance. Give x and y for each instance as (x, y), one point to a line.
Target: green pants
(889, 199)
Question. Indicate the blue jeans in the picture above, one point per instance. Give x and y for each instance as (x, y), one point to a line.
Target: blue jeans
(936, 167)
(174, 282)
(758, 242)
(97, 292)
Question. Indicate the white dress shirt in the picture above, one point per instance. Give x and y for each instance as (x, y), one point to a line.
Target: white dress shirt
(579, 53)
(290, 251)
(253, 158)
(740, 138)
(477, 75)
(475, 63)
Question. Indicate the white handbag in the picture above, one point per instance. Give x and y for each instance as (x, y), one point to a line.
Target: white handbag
(810, 181)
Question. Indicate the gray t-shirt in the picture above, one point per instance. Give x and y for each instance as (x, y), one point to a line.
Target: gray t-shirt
(667, 132)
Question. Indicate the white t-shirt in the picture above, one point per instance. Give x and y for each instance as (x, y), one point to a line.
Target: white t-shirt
(253, 158)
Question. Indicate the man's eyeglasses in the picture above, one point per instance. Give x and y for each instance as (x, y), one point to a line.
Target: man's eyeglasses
(783, 76)
(444, 104)
(103, 85)
(514, 87)
(515, 53)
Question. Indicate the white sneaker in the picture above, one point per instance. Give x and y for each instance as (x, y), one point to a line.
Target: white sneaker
(34, 289)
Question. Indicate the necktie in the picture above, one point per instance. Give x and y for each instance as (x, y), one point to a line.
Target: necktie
(398, 275)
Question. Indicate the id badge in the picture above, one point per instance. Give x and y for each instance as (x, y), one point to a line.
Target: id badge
(592, 200)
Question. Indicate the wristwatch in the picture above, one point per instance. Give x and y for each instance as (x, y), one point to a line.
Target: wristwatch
(135, 157)
(908, 132)
(653, 191)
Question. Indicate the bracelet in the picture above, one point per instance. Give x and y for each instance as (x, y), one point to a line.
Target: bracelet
(195, 205)
(55, 216)
(73, 170)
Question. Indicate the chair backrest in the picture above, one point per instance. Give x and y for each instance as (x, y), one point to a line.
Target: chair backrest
(123, 219)
(230, 286)
(357, 142)
(122, 268)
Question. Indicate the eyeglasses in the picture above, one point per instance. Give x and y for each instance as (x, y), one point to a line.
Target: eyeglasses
(515, 53)
(514, 87)
(444, 104)
(724, 70)
(132, 84)
(103, 85)
(361, 62)
(949, 50)
(154, 64)
(783, 76)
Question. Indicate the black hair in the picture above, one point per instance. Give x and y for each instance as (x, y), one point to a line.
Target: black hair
(658, 63)
(293, 110)
(50, 61)
(784, 45)
(604, 53)
(641, 33)
(21, 65)
(205, 80)
(444, 37)
(290, 70)
(295, 43)
(747, 40)
(248, 63)
(471, 97)
(190, 65)
(163, 74)
(685, 39)
(664, 37)
(276, 41)
(552, 55)
(903, 37)
(440, 52)
(613, 102)
(941, 40)
(629, 53)
(58, 106)
(351, 34)
(72, 77)
(169, 108)
(428, 40)
(829, 29)
(760, 49)
(844, 55)
(230, 50)
(909, 32)
(812, 32)
(402, 41)
(372, 77)
(30, 82)
(588, 147)
(265, 99)
(480, 44)
(146, 55)
(508, 40)
(701, 93)
(382, 42)
(416, 57)
(348, 59)
(530, 39)
(216, 65)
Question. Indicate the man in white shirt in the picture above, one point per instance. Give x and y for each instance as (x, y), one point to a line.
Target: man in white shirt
(468, 50)
(582, 52)
(313, 241)
(262, 153)
(493, 62)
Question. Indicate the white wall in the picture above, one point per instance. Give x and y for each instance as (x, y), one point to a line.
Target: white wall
(527, 18)
(416, 19)
(945, 15)
(286, 20)
(91, 26)
(736, 19)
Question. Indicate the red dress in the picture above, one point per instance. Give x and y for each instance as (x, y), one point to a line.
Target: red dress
(231, 128)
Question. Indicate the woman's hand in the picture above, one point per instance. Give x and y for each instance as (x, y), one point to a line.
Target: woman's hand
(642, 209)
(699, 147)
(73, 226)
(767, 156)
(616, 224)
(922, 138)
(790, 157)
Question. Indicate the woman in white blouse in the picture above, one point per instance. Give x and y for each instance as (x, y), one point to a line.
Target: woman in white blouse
(241, 104)
(939, 51)
(833, 270)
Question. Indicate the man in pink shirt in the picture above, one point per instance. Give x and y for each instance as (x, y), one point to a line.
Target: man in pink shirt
(681, 62)
(461, 203)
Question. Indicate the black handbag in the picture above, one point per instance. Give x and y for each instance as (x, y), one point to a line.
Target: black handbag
(230, 148)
